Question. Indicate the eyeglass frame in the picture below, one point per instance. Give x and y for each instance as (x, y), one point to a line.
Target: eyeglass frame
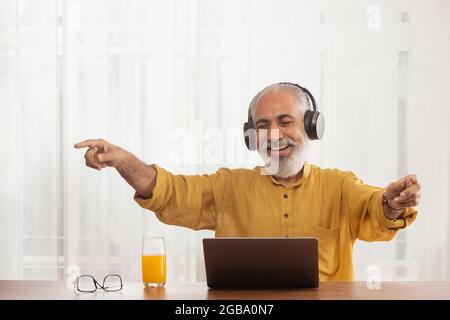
(96, 283)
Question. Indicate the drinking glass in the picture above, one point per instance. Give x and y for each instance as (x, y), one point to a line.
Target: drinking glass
(153, 262)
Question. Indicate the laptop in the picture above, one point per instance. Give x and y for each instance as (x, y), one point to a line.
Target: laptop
(261, 262)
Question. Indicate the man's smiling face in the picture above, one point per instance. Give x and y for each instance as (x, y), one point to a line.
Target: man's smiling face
(280, 131)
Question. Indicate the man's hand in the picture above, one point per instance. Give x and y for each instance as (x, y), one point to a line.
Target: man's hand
(403, 193)
(102, 154)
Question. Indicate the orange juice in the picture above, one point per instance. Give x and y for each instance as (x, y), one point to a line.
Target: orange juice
(154, 270)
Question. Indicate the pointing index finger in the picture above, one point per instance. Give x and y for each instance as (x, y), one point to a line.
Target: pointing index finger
(85, 144)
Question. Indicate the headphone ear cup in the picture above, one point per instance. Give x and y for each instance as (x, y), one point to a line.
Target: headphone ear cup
(314, 124)
(247, 142)
(250, 136)
(320, 125)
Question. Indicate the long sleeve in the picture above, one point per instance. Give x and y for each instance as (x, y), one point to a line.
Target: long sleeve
(189, 201)
(363, 205)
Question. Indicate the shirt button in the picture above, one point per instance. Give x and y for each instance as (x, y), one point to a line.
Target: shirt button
(286, 215)
(285, 196)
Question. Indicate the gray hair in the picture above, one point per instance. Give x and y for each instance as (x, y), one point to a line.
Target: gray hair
(300, 96)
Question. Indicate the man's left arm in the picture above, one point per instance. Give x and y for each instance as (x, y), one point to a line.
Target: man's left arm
(376, 214)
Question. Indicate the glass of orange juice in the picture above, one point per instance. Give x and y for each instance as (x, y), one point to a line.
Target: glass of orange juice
(153, 262)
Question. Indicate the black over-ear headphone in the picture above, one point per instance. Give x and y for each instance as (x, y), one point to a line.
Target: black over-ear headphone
(313, 120)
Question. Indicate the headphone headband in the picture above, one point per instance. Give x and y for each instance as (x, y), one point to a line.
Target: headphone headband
(308, 93)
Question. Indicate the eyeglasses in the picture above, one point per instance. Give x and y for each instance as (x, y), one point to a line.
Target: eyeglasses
(87, 283)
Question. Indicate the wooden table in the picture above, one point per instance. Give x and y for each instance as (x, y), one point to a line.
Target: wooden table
(200, 291)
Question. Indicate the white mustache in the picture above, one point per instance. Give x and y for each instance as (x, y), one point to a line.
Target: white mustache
(279, 143)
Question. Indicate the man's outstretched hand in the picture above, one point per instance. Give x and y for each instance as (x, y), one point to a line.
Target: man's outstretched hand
(102, 154)
(403, 193)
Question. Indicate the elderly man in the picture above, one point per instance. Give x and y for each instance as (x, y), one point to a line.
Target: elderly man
(296, 199)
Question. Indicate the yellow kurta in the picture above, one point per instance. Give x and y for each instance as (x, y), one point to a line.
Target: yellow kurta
(329, 204)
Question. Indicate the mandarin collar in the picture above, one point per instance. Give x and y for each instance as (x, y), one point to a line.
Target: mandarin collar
(298, 182)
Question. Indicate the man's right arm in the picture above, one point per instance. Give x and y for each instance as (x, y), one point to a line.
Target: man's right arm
(139, 175)
(190, 201)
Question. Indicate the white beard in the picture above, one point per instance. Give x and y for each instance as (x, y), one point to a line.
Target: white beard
(285, 167)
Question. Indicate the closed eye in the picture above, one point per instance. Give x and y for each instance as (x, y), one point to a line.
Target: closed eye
(261, 124)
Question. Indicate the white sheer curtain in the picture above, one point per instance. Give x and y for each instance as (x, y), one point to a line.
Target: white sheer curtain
(171, 82)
